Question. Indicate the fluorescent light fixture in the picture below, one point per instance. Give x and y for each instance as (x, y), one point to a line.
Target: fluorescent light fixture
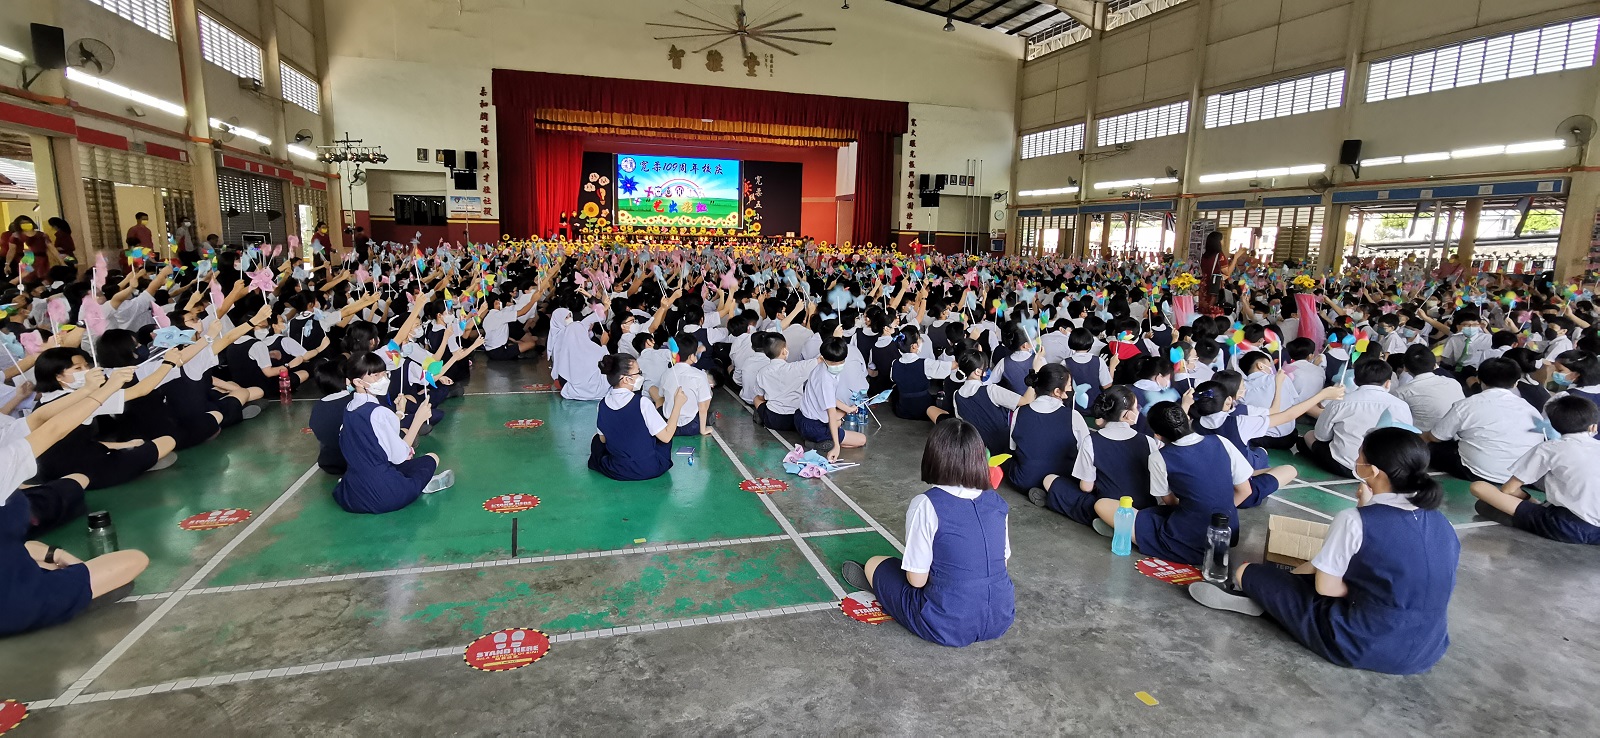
(10, 54)
(105, 85)
(1213, 178)
(1382, 161)
(1524, 148)
(1309, 169)
(1146, 182)
(1048, 193)
(242, 132)
(1434, 156)
(302, 152)
(1269, 173)
(1262, 173)
(1477, 151)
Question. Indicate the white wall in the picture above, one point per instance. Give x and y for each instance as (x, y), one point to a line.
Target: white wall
(947, 137)
(406, 73)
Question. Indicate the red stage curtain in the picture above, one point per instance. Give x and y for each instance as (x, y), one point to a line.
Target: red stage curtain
(874, 203)
(557, 172)
(517, 203)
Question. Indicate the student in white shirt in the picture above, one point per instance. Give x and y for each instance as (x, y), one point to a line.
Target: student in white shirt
(497, 329)
(653, 364)
(1335, 441)
(758, 360)
(1467, 345)
(1429, 395)
(780, 386)
(1567, 469)
(1305, 370)
(1055, 343)
(694, 419)
(821, 411)
(1482, 436)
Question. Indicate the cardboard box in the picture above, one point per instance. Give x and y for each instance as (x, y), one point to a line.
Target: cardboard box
(1293, 541)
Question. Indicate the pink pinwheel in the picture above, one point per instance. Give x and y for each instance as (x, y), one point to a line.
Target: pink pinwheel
(162, 321)
(58, 310)
(94, 316)
(261, 279)
(31, 342)
(216, 294)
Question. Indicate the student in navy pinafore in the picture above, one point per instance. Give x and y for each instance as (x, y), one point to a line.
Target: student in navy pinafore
(634, 442)
(1205, 475)
(976, 403)
(1113, 462)
(1045, 432)
(378, 478)
(951, 587)
(913, 389)
(1382, 603)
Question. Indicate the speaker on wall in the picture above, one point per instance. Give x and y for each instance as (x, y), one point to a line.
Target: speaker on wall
(924, 182)
(929, 200)
(940, 180)
(49, 46)
(471, 162)
(1350, 152)
(465, 179)
(449, 158)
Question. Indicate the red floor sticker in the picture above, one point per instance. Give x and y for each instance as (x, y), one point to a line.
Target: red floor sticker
(537, 387)
(1167, 571)
(11, 713)
(510, 503)
(861, 606)
(524, 424)
(504, 650)
(763, 485)
(215, 519)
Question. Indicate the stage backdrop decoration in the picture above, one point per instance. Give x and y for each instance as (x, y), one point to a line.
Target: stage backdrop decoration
(542, 119)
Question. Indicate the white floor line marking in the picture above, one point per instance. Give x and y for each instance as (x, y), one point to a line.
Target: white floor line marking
(259, 674)
(512, 392)
(829, 483)
(411, 571)
(1478, 524)
(788, 528)
(144, 627)
(1299, 506)
(1331, 492)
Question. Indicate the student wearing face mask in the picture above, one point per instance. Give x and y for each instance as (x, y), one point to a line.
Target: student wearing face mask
(1376, 596)
(821, 412)
(383, 474)
(61, 374)
(258, 360)
(1528, 386)
(1218, 412)
(1577, 374)
(917, 379)
(985, 405)
(1558, 336)
(1466, 345)
(632, 441)
(1112, 462)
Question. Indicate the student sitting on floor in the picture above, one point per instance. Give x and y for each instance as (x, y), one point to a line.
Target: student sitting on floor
(42, 585)
(60, 373)
(781, 385)
(1011, 372)
(327, 416)
(1529, 387)
(917, 379)
(694, 417)
(951, 586)
(1262, 388)
(1217, 413)
(1086, 368)
(1567, 469)
(1375, 597)
(1482, 436)
(1429, 395)
(633, 441)
(986, 406)
(1112, 463)
(1304, 370)
(1336, 439)
(1045, 433)
(381, 476)
(821, 411)
(1577, 374)
(1192, 477)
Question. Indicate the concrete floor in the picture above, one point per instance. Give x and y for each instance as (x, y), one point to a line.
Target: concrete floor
(751, 639)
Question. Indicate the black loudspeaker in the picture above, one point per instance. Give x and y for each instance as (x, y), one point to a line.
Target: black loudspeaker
(1350, 152)
(449, 158)
(940, 180)
(471, 162)
(929, 200)
(49, 46)
(924, 182)
(465, 179)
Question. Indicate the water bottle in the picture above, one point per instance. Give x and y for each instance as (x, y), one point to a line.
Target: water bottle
(1218, 537)
(284, 387)
(1122, 534)
(102, 534)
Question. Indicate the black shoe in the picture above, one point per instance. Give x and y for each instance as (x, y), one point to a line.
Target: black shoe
(110, 598)
(1037, 496)
(855, 575)
(1493, 514)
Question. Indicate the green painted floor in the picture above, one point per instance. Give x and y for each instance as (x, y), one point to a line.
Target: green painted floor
(1328, 494)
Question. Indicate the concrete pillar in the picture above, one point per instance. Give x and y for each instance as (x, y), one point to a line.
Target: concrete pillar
(1334, 227)
(1187, 177)
(336, 195)
(72, 204)
(1355, 81)
(1577, 226)
(1105, 237)
(202, 156)
(272, 78)
(1090, 101)
(1469, 233)
(1355, 243)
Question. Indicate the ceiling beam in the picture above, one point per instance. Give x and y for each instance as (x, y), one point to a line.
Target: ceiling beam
(1010, 16)
(927, 5)
(958, 7)
(1083, 11)
(1052, 15)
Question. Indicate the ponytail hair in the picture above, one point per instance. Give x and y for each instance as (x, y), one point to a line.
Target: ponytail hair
(1403, 456)
(909, 336)
(616, 367)
(1210, 398)
(1112, 403)
(1050, 378)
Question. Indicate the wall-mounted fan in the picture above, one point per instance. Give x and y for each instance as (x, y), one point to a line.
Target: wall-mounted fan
(91, 55)
(1577, 131)
(1320, 183)
(228, 130)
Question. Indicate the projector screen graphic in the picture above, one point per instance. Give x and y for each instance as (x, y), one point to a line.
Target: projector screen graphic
(677, 192)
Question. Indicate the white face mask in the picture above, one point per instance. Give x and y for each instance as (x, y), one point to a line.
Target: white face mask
(77, 380)
(262, 333)
(835, 369)
(380, 387)
(416, 333)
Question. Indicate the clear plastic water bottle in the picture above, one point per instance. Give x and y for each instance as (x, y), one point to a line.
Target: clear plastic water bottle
(285, 388)
(102, 534)
(1122, 533)
(1218, 540)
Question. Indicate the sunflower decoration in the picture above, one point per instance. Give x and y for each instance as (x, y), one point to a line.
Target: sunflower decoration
(755, 227)
(749, 213)
(1305, 282)
(591, 209)
(1183, 283)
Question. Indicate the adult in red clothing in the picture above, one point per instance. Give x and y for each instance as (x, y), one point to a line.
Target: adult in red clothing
(24, 236)
(60, 233)
(1214, 270)
(140, 232)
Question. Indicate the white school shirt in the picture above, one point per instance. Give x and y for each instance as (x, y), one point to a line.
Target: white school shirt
(694, 385)
(1345, 423)
(1392, 343)
(619, 398)
(797, 337)
(1308, 378)
(820, 394)
(1050, 406)
(1345, 535)
(1017, 357)
(931, 368)
(1259, 389)
(1568, 470)
(1083, 468)
(1055, 347)
(782, 383)
(811, 350)
(1252, 423)
(922, 522)
(1458, 350)
(1239, 470)
(1558, 347)
(1494, 428)
(653, 364)
(880, 343)
(1430, 396)
(133, 314)
(739, 353)
(497, 327)
(752, 369)
(113, 405)
(17, 465)
(1084, 357)
(385, 427)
